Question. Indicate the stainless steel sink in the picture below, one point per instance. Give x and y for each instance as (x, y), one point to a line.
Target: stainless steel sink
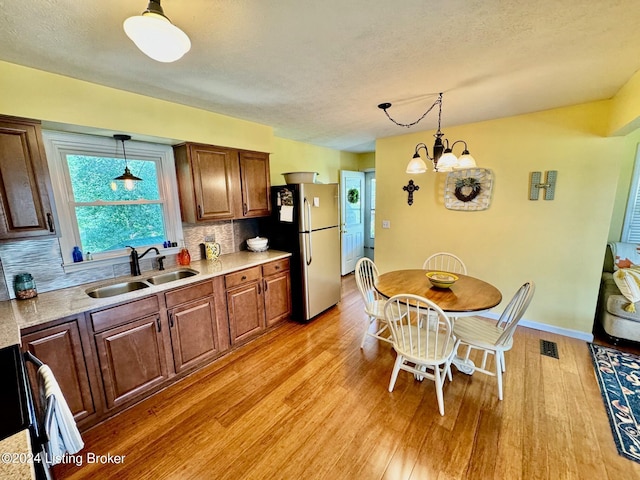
(171, 276)
(116, 289)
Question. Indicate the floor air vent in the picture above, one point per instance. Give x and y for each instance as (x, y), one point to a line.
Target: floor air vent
(550, 349)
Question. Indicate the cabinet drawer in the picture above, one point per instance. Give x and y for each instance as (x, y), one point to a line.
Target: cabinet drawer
(275, 267)
(122, 314)
(243, 276)
(186, 294)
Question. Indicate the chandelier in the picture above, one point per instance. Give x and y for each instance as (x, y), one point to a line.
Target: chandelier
(443, 159)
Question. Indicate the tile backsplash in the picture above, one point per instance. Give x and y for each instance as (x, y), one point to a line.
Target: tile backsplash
(43, 259)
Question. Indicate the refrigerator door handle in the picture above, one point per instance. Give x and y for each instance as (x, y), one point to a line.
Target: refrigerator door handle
(307, 227)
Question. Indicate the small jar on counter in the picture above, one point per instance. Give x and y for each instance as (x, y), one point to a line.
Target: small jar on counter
(24, 286)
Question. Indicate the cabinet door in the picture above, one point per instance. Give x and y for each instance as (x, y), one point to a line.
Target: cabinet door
(132, 359)
(194, 335)
(246, 311)
(277, 298)
(256, 184)
(61, 349)
(216, 181)
(25, 185)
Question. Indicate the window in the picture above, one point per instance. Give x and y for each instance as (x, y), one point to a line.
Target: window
(101, 215)
(631, 227)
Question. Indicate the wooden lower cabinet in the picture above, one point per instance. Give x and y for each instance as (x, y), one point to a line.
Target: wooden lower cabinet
(246, 311)
(258, 298)
(194, 335)
(62, 349)
(277, 291)
(132, 359)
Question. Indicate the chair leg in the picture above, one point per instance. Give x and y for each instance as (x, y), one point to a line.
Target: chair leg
(499, 373)
(366, 331)
(394, 373)
(438, 382)
(502, 362)
(448, 369)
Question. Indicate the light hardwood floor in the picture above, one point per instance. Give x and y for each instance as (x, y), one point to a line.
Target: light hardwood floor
(305, 402)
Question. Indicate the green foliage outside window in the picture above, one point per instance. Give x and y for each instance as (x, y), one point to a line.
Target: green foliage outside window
(112, 219)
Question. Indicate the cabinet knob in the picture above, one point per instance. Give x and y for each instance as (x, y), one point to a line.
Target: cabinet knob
(277, 267)
(244, 277)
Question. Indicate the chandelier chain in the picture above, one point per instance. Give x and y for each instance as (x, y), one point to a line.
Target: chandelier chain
(409, 125)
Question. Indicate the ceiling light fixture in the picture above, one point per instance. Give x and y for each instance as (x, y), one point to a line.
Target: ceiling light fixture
(155, 35)
(127, 177)
(443, 158)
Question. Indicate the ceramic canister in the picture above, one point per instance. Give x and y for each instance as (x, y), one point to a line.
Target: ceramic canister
(212, 250)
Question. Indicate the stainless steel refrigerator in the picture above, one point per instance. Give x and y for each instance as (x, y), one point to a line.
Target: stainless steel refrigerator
(306, 222)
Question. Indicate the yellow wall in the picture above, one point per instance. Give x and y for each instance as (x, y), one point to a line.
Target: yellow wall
(292, 156)
(559, 244)
(366, 161)
(625, 109)
(49, 97)
(86, 107)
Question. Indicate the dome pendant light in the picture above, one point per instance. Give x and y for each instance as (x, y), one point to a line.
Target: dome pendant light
(127, 177)
(155, 35)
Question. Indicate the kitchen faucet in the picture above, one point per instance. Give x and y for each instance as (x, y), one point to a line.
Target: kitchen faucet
(135, 259)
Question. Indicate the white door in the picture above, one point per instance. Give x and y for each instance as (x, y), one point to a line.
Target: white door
(351, 219)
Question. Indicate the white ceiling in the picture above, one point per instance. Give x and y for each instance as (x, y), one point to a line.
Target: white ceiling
(316, 70)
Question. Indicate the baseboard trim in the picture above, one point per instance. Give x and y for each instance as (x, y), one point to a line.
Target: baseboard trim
(566, 332)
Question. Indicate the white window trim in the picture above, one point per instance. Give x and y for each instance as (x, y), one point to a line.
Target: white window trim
(59, 144)
(631, 225)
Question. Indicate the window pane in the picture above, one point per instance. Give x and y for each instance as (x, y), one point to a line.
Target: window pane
(111, 227)
(372, 231)
(372, 193)
(91, 179)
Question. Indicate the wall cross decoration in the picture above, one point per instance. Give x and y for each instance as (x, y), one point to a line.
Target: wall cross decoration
(410, 188)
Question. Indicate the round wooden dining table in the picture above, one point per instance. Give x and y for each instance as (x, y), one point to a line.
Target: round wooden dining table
(467, 296)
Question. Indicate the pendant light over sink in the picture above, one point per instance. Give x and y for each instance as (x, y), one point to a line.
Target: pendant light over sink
(127, 177)
(155, 35)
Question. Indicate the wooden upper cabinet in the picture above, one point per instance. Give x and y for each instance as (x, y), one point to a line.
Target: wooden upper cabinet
(218, 183)
(26, 210)
(208, 182)
(256, 184)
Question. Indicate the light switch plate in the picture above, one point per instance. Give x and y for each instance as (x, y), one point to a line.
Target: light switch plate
(316, 201)
(386, 224)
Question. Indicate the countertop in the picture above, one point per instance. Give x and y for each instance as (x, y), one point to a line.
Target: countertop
(49, 306)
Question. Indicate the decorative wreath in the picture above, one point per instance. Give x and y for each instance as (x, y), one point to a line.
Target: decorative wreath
(353, 195)
(467, 189)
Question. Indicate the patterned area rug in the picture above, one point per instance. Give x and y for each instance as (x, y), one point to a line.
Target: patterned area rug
(618, 375)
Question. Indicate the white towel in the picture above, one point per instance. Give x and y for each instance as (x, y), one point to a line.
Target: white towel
(63, 432)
